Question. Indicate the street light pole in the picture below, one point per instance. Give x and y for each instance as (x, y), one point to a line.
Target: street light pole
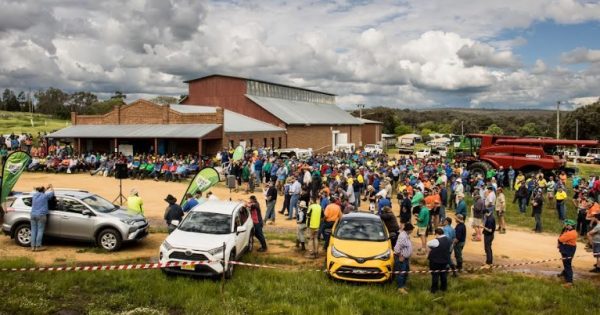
(558, 120)
(360, 108)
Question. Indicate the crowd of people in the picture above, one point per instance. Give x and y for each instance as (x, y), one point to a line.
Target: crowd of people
(319, 190)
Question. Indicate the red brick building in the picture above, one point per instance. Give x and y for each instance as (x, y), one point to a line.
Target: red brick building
(311, 118)
(371, 131)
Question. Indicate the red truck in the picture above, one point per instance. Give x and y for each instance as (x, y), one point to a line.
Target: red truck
(525, 154)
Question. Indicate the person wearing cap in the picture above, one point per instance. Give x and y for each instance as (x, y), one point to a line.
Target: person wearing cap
(460, 232)
(301, 226)
(537, 205)
(257, 219)
(567, 245)
(478, 210)
(561, 196)
(489, 227)
(173, 213)
(438, 260)
(40, 203)
(458, 189)
(135, 202)
(461, 206)
(402, 251)
(314, 215)
(501, 210)
(594, 239)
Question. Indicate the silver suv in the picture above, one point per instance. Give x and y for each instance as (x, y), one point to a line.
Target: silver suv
(76, 215)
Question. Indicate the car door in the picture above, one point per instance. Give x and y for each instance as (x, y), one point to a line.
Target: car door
(74, 224)
(239, 237)
(54, 223)
(247, 222)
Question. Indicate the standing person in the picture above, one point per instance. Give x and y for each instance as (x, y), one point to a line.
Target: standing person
(439, 260)
(257, 219)
(422, 224)
(295, 190)
(560, 197)
(173, 213)
(391, 223)
(39, 215)
(451, 235)
(135, 202)
(314, 215)
(402, 252)
(190, 203)
(460, 231)
(594, 238)
(537, 205)
(489, 227)
(511, 178)
(500, 210)
(405, 208)
(461, 206)
(521, 196)
(333, 212)
(271, 200)
(478, 210)
(567, 245)
(301, 226)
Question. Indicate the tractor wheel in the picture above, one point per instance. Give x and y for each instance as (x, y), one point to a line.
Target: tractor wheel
(479, 168)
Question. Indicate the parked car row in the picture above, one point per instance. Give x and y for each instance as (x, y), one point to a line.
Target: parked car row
(215, 233)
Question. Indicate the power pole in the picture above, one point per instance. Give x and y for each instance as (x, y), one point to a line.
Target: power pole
(462, 128)
(558, 120)
(576, 138)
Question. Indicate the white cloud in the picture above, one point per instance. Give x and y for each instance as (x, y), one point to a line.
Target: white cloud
(408, 54)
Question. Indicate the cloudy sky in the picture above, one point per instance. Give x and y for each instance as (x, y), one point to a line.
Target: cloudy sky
(412, 53)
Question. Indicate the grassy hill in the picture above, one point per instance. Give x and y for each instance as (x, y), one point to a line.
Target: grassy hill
(18, 122)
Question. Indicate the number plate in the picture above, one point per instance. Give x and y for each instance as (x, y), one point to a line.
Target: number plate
(188, 267)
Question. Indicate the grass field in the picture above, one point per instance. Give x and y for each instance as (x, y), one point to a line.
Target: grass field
(259, 291)
(21, 123)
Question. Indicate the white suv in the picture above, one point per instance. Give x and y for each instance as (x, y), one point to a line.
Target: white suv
(200, 237)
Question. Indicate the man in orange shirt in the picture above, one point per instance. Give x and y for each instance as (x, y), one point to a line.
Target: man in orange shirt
(567, 244)
(333, 212)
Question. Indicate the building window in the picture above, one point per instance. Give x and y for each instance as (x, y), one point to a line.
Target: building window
(279, 146)
(231, 144)
(264, 142)
(272, 143)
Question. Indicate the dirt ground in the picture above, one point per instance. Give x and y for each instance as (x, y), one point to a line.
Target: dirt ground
(517, 245)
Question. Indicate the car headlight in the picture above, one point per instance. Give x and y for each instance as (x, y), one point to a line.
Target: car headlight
(167, 246)
(384, 256)
(217, 250)
(128, 222)
(337, 254)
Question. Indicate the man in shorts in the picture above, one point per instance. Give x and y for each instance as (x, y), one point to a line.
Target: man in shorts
(594, 237)
(478, 211)
(422, 223)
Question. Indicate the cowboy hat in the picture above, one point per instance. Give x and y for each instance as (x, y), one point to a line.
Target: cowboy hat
(170, 199)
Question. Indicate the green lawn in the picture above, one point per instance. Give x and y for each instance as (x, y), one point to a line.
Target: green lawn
(21, 123)
(259, 291)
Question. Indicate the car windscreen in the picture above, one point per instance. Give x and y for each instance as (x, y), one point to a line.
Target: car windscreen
(360, 229)
(99, 204)
(206, 222)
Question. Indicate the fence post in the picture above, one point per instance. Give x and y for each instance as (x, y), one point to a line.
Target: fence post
(223, 275)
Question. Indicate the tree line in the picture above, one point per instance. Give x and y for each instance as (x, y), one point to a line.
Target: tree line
(524, 123)
(60, 104)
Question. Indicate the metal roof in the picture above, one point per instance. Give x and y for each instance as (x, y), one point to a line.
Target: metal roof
(250, 79)
(193, 109)
(368, 121)
(234, 122)
(193, 131)
(305, 113)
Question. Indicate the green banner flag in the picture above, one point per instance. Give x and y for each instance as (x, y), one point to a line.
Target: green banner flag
(206, 178)
(13, 168)
(238, 154)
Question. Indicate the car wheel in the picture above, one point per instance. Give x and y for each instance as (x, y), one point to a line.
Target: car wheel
(23, 235)
(109, 239)
(229, 269)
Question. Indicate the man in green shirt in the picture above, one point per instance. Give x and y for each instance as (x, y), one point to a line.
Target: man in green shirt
(422, 223)
(417, 198)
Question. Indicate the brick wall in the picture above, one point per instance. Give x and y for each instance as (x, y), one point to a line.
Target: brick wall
(371, 133)
(145, 112)
(319, 138)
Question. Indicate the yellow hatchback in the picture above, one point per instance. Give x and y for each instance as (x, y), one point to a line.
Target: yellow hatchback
(360, 249)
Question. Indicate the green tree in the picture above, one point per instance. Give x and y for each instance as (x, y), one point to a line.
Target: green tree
(10, 101)
(119, 95)
(588, 117)
(103, 107)
(402, 129)
(79, 101)
(529, 129)
(52, 102)
(164, 100)
(493, 129)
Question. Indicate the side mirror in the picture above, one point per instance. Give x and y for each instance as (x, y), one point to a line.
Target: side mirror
(241, 229)
(87, 212)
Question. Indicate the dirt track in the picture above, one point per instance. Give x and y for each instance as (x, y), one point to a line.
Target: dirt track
(518, 245)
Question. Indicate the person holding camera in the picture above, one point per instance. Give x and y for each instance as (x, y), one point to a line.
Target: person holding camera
(39, 215)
